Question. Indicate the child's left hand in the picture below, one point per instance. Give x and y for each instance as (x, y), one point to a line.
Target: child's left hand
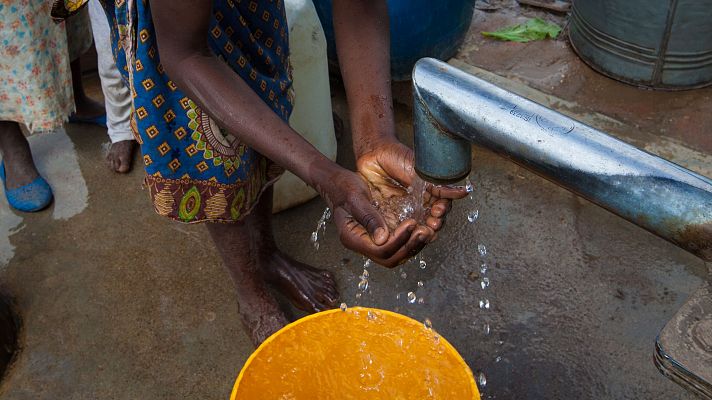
(388, 169)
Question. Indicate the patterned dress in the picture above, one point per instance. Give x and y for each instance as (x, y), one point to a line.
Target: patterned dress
(195, 171)
(35, 78)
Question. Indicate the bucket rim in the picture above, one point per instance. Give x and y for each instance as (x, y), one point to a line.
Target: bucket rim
(449, 347)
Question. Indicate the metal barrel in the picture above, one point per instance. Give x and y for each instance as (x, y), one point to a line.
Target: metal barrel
(656, 44)
(453, 108)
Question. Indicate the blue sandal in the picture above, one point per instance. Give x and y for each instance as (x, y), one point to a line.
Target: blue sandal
(32, 197)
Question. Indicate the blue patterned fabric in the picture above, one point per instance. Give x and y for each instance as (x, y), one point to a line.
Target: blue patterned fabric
(195, 170)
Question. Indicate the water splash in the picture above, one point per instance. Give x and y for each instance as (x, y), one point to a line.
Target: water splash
(481, 379)
(320, 226)
(343, 307)
(363, 285)
(485, 304)
(483, 268)
(411, 297)
(363, 281)
(428, 324)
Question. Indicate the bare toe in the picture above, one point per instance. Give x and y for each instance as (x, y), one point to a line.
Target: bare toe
(120, 156)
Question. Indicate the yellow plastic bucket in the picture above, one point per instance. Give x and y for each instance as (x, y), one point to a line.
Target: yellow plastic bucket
(357, 353)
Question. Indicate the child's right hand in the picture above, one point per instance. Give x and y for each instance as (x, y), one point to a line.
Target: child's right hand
(361, 226)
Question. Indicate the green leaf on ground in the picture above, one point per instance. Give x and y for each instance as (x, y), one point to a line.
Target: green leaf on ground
(534, 29)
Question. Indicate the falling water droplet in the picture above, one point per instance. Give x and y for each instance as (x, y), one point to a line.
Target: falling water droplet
(404, 274)
(428, 324)
(483, 268)
(485, 304)
(485, 283)
(421, 300)
(411, 297)
(343, 306)
(327, 214)
(367, 263)
(316, 245)
(473, 215)
(364, 274)
(487, 329)
(398, 296)
(358, 295)
(481, 379)
(423, 264)
(314, 236)
(363, 285)
(420, 283)
(482, 250)
(498, 359)
(468, 185)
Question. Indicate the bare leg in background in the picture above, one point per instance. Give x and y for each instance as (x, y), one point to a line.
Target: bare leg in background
(117, 97)
(86, 107)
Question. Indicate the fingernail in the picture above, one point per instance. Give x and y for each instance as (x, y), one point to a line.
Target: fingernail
(379, 233)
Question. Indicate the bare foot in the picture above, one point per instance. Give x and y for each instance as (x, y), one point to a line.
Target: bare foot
(120, 156)
(261, 321)
(309, 289)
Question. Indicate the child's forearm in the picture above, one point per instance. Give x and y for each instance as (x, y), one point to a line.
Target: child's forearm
(224, 95)
(363, 45)
(234, 106)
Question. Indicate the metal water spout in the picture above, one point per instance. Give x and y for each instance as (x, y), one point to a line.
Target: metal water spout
(453, 109)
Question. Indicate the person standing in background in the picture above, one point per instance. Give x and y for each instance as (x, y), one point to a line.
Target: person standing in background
(38, 59)
(117, 97)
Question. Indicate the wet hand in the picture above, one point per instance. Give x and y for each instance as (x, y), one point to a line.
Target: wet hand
(389, 171)
(361, 226)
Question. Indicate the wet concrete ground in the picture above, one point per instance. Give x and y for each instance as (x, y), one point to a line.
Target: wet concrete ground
(120, 303)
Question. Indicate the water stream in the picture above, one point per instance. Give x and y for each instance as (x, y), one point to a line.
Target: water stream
(411, 205)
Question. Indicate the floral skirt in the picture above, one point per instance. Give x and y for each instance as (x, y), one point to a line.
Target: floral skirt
(35, 77)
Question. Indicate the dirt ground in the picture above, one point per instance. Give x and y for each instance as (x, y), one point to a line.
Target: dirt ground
(120, 303)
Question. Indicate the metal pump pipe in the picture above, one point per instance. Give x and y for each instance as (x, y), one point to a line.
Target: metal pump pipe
(453, 109)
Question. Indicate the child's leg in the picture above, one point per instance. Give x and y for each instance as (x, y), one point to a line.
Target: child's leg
(258, 309)
(308, 288)
(86, 107)
(19, 167)
(117, 97)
